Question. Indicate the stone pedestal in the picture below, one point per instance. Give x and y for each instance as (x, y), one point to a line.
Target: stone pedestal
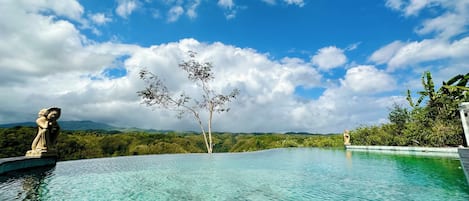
(41, 153)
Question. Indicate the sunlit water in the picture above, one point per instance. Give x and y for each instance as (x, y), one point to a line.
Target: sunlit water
(279, 174)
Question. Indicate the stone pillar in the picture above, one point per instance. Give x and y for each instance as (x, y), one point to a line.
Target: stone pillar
(464, 112)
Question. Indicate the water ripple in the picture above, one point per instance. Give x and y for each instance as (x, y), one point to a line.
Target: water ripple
(282, 174)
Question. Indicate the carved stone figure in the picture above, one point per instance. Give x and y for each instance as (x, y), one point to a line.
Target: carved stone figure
(346, 137)
(48, 130)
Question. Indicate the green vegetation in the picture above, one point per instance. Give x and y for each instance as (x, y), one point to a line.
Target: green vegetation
(435, 123)
(94, 144)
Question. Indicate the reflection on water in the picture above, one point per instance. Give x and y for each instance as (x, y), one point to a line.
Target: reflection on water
(25, 184)
(348, 156)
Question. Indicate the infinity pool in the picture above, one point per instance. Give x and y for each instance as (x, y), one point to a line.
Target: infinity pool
(278, 174)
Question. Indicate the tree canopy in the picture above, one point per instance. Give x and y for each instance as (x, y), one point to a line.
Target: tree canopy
(156, 93)
(432, 120)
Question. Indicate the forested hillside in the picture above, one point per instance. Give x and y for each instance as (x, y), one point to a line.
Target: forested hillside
(94, 144)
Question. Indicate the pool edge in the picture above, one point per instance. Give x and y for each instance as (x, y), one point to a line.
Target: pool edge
(408, 150)
(23, 162)
(464, 158)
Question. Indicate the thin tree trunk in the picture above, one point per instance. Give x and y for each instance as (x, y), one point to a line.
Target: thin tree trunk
(210, 126)
(209, 150)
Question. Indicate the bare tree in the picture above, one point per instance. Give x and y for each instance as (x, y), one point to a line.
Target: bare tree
(156, 93)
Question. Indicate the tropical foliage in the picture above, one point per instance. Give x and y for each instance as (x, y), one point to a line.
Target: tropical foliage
(94, 144)
(432, 120)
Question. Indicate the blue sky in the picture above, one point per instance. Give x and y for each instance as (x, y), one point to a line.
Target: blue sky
(301, 65)
(280, 30)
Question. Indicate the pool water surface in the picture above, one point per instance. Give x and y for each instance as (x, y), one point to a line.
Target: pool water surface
(278, 174)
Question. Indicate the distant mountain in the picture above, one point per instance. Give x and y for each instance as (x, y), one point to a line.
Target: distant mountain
(69, 125)
(85, 125)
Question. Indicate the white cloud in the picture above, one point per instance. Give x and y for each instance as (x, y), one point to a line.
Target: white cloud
(350, 104)
(340, 109)
(66, 8)
(451, 20)
(329, 57)
(386, 53)
(394, 4)
(409, 7)
(126, 7)
(415, 6)
(227, 4)
(51, 59)
(368, 79)
(299, 3)
(191, 11)
(230, 14)
(230, 8)
(429, 50)
(352, 47)
(174, 13)
(42, 44)
(53, 65)
(445, 40)
(445, 26)
(100, 18)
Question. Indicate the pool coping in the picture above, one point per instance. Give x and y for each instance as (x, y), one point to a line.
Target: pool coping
(25, 162)
(427, 151)
(464, 158)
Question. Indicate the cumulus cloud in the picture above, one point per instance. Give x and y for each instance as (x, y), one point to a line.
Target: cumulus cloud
(51, 58)
(67, 8)
(329, 57)
(126, 7)
(355, 101)
(42, 45)
(267, 90)
(55, 65)
(368, 79)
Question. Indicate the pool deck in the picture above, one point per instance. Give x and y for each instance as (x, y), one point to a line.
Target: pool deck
(426, 151)
(23, 162)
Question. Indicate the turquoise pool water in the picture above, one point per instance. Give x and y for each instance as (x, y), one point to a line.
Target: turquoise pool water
(279, 174)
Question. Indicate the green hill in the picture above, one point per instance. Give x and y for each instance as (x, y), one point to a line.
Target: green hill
(68, 125)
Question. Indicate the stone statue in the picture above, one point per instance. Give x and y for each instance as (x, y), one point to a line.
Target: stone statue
(48, 130)
(346, 138)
